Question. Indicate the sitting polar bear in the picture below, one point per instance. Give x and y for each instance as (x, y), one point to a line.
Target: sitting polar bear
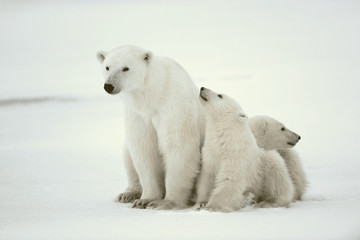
(234, 165)
(164, 125)
(271, 134)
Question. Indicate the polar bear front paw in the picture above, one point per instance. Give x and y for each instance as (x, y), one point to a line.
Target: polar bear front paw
(141, 203)
(249, 199)
(218, 208)
(128, 197)
(166, 205)
(265, 204)
(199, 205)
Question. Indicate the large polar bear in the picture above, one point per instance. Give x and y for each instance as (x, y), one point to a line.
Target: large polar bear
(271, 134)
(164, 124)
(233, 164)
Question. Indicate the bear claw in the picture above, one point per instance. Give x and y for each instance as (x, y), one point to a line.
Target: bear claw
(128, 197)
(141, 203)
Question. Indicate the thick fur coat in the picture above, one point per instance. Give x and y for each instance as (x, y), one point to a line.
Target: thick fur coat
(164, 126)
(233, 165)
(271, 135)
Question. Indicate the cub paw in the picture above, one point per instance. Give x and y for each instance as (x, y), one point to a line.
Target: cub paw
(265, 204)
(128, 197)
(249, 199)
(217, 208)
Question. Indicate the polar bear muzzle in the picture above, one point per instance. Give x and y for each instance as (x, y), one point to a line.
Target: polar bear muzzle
(294, 139)
(203, 94)
(108, 88)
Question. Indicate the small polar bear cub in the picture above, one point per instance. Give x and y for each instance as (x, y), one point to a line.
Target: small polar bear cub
(233, 164)
(271, 134)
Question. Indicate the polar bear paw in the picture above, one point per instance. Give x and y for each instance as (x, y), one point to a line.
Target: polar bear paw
(128, 197)
(142, 203)
(166, 205)
(249, 199)
(199, 205)
(218, 208)
(265, 204)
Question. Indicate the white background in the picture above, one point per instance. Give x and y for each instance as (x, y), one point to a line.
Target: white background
(60, 155)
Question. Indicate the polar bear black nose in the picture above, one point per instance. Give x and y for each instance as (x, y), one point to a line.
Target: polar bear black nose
(299, 138)
(108, 88)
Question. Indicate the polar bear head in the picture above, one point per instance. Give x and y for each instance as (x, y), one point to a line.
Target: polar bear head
(124, 68)
(271, 134)
(221, 107)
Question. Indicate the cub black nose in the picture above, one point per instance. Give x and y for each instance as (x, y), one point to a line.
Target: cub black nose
(299, 137)
(108, 88)
(202, 88)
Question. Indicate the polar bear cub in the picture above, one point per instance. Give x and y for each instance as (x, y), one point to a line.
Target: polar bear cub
(233, 164)
(271, 134)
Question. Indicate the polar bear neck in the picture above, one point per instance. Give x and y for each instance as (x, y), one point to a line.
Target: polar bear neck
(264, 142)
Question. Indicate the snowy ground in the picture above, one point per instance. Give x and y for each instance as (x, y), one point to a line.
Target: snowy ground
(61, 134)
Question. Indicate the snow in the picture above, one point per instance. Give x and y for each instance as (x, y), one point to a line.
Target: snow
(61, 134)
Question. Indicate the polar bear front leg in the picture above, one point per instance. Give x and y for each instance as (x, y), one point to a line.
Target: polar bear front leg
(204, 186)
(228, 193)
(180, 148)
(141, 140)
(133, 190)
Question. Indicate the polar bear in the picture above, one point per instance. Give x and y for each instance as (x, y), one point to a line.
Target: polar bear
(164, 125)
(233, 164)
(271, 134)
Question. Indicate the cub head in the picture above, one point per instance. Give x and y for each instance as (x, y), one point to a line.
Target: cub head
(124, 68)
(221, 107)
(271, 134)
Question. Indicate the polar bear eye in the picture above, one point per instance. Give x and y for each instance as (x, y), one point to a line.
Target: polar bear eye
(107, 68)
(283, 129)
(125, 69)
(220, 96)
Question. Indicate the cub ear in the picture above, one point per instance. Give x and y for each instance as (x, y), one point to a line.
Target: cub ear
(263, 125)
(100, 55)
(147, 56)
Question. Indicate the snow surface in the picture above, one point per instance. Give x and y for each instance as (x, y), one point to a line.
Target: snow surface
(61, 134)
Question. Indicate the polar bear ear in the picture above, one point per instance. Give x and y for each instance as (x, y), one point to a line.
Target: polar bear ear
(147, 56)
(263, 126)
(100, 55)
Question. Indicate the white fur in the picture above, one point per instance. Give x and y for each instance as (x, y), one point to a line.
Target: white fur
(164, 125)
(296, 171)
(277, 188)
(233, 164)
(270, 136)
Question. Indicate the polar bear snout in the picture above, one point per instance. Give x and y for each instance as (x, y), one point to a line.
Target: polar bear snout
(294, 139)
(108, 88)
(203, 94)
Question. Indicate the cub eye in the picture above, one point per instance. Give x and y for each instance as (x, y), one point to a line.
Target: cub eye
(107, 68)
(220, 96)
(282, 129)
(125, 69)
